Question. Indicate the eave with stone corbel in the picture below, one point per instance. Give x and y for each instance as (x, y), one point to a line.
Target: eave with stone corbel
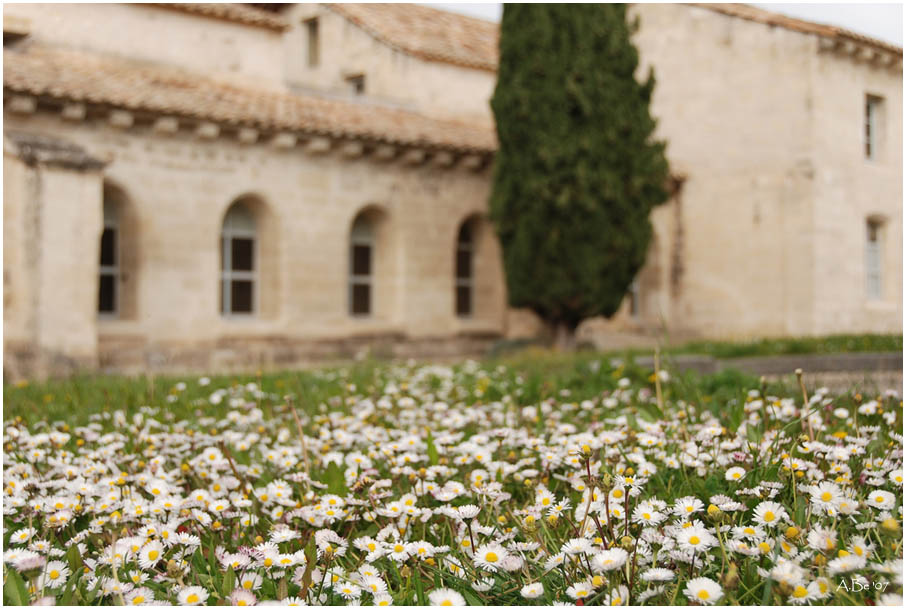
(862, 51)
(309, 142)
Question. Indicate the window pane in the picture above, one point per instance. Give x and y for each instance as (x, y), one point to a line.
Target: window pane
(242, 251)
(361, 260)
(465, 234)
(313, 43)
(222, 304)
(361, 299)
(463, 264)
(107, 294)
(108, 247)
(241, 296)
(463, 300)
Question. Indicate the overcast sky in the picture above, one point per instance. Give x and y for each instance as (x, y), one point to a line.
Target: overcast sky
(882, 21)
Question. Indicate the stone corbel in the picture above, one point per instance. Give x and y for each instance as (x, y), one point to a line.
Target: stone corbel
(473, 162)
(166, 124)
(318, 145)
(22, 104)
(352, 150)
(121, 119)
(247, 135)
(385, 152)
(73, 112)
(207, 131)
(416, 156)
(284, 141)
(443, 159)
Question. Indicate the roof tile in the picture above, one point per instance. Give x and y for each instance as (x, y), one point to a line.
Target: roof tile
(82, 76)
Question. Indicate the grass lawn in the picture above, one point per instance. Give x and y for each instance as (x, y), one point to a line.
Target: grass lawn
(528, 480)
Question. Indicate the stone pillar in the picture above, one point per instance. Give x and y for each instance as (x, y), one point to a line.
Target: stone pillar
(57, 198)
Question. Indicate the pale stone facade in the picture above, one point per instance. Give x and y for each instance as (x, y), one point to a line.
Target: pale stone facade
(765, 235)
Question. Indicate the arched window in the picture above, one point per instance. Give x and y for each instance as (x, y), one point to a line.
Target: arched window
(109, 284)
(465, 279)
(238, 264)
(873, 249)
(361, 266)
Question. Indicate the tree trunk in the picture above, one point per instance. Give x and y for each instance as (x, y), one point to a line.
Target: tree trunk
(564, 337)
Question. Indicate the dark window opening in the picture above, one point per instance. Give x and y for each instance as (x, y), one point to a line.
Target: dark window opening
(361, 299)
(241, 296)
(107, 294)
(463, 270)
(243, 253)
(311, 27)
(108, 247)
(356, 84)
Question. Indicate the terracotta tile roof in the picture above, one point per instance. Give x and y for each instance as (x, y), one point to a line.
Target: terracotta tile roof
(133, 85)
(752, 13)
(438, 35)
(428, 33)
(240, 13)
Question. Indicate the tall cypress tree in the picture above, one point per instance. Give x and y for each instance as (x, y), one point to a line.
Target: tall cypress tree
(577, 172)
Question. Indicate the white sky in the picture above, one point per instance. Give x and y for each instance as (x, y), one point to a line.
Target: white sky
(882, 21)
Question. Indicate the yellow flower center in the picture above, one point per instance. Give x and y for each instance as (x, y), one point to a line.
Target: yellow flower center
(769, 516)
(192, 598)
(825, 496)
(490, 557)
(800, 591)
(694, 540)
(153, 554)
(398, 548)
(703, 594)
(54, 574)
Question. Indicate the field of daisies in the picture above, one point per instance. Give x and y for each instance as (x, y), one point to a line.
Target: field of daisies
(592, 483)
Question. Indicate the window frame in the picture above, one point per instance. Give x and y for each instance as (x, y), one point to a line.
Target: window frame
(467, 282)
(874, 273)
(356, 83)
(872, 133)
(111, 222)
(228, 274)
(635, 308)
(313, 41)
(359, 279)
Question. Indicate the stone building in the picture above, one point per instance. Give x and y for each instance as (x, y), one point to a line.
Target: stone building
(225, 186)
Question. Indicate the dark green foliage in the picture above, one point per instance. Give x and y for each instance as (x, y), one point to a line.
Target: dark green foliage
(577, 172)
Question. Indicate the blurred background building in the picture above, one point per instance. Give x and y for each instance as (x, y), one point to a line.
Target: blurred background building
(225, 186)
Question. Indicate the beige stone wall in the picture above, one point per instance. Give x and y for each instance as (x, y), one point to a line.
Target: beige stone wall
(179, 187)
(765, 237)
(222, 48)
(392, 76)
(850, 188)
(51, 235)
(736, 102)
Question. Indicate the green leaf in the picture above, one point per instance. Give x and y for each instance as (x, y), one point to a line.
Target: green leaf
(14, 590)
(229, 582)
(766, 597)
(74, 558)
(650, 411)
(333, 476)
(632, 422)
(752, 434)
(419, 590)
(66, 599)
(433, 457)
